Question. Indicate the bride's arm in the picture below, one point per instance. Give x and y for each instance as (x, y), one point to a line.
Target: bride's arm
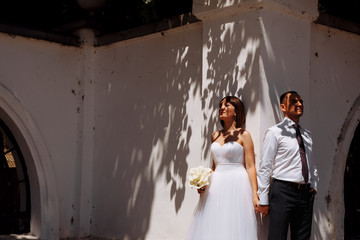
(212, 164)
(214, 136)
(250, 165)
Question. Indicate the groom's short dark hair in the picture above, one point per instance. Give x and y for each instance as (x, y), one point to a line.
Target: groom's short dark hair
(282, 97)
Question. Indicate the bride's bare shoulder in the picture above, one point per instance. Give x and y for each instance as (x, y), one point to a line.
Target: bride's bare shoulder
(242, 131)
(215, 135)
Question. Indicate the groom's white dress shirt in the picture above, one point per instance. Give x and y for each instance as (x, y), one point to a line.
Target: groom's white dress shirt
(280, 158)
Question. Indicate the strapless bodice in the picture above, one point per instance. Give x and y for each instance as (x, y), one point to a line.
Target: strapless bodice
(230, 153)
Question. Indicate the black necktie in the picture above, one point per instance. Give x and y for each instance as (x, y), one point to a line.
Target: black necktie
(305, 171)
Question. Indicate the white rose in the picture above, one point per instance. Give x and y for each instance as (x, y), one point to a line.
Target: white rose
(199, 176)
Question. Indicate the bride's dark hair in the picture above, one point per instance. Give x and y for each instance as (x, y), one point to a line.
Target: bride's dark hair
(239, 110)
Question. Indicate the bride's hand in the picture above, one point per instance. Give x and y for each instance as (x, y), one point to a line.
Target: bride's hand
(201, 190)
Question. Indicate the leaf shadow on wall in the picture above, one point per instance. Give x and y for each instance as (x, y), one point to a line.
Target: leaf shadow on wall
(150, 135)
(233, 61)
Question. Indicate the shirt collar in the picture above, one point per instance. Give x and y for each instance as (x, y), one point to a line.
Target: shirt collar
(288, 122)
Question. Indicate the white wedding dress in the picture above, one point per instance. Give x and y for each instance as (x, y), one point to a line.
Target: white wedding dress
(225, 210)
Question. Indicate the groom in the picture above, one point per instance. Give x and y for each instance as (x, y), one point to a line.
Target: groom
(287, 176)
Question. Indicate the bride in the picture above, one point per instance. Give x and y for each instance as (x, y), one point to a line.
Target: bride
(226, 208)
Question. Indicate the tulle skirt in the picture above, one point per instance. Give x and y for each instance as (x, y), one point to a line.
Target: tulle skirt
(225, 210)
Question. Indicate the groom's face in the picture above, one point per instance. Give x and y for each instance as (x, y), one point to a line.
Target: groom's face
(292, 106)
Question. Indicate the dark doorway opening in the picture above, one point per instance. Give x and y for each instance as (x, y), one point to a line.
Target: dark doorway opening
(14, 186)
(352, 189)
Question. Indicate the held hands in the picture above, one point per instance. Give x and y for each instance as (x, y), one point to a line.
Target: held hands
(263, 209)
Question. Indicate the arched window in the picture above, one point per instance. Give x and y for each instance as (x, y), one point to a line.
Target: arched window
(14, 186)
(351, 189)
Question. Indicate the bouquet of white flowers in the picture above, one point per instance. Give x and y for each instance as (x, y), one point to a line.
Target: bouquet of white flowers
(199, 177)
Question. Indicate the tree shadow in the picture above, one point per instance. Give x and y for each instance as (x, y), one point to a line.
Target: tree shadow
(232, 55)
(144, 145)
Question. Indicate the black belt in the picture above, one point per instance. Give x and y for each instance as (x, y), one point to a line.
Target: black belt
(302, 186)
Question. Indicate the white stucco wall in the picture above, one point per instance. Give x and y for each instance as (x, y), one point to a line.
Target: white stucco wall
(147, 131)
(45, 78)
(110, 132)
(335, 90)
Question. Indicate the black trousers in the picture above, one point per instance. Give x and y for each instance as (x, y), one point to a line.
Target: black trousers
(290, 206)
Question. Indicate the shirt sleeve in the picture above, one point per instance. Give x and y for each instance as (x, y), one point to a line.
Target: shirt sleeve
(265, 169)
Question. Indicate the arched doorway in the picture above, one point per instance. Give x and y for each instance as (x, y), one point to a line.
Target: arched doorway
(335, 198)
(44, 222)
(14, 186)
(352, 189)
